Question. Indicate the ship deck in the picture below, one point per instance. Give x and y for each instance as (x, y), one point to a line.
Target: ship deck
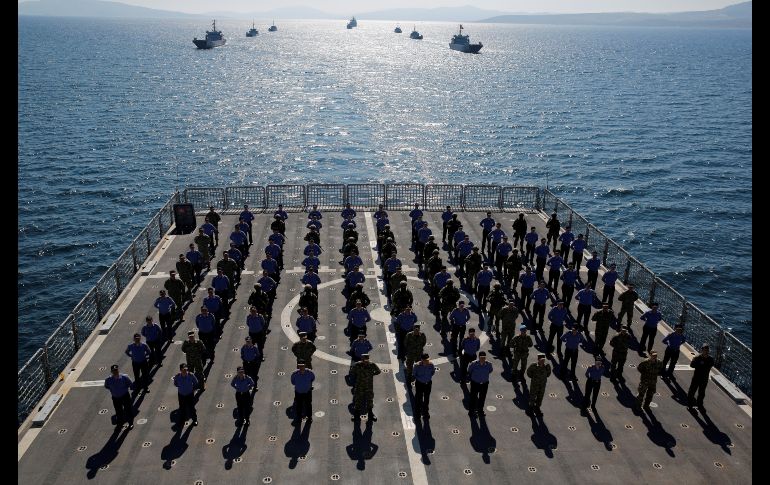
(78, 443)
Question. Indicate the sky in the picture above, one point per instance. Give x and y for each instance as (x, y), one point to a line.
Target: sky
(355, 7)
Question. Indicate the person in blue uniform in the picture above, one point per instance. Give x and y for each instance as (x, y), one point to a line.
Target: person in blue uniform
(404, 324)
(531, 239)
(281, 214)
(609, 278)
(166, 312)
(140, 361)
(479, 372)
(557, 316)
(501, 254)
(572, 340)
(348, 212)
(568, 279)
(594, 375)
(306, 323)
(541, 296)
(186, 383)
(153, 335)
(247, 217)
(196, 259)
(458, 318)
(222, 285)
(528, 279)
(315, 213)
(554, 271)
(302, 379)
(578, 246)
(446, 216)
(243, 384)
(483, 281)
(593, 264)
(650, 318)
(469, 346)
(271, 266)
(423, 382)
(257, 326)
(542, 252)
(357, 320)
(673, 343)
(585, 298)
(415, 214)
(207, 331)
(120, 386)
(495, 236)
(311, 278)
(251, 357)
(214, 303)
(487, 224)
(566, 239)
(211, 231)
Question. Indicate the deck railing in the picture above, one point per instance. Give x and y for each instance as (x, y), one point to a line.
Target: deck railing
(42, 369)
(39, 373)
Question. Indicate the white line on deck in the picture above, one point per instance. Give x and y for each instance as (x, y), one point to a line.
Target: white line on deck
(419, 475)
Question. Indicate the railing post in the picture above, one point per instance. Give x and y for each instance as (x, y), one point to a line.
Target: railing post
(75, 339)
(606, 251)
(586, 234)
(683, 315)
(627, 272)
(185, 196)
(720, 344)
(149, 248)
(569, 221)
(224, 197)
(98, 297)
(304, 195)
(133, 257)
(385, 197)
(652, 292)
(160, 225)
(462, 197)
(47, 367)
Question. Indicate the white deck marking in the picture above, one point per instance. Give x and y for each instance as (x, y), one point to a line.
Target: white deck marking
(419, 475)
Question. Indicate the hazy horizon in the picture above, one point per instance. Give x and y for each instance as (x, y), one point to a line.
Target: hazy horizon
(353, 7)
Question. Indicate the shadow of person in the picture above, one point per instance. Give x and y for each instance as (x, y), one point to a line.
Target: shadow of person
(677, 393)
(710, 430)
(521, 398)
(298, 445)
(574, 394)
(599, 430)
(236, 447)
(542, 438)
(624, 395)
(657, 434)
(423, 437)
(362, 448)
(108, 452)
(177, 446)
(481, 439)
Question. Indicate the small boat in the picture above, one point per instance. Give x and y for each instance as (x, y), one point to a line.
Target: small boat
(352, 23)
(213, 38)
(252, 31)
(273, 28)
(415, 34)
(462, 43)
(397, 29)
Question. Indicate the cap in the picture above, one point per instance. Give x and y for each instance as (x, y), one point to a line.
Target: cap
(679, 325)
(191, 332)
(239, 368)
(599, 360)
(541, 356)
(114, 367)
(182, 366)
(482, 354)
(424, 356)
(300, 362)
(258, 285)
(365, 356)
(653, 353)
(248, 339)
(560, 302)
(417, 325)
(704, 346)
(522, 327)
(431, 237)
(471, 330)
(136, 335)
(303, 334)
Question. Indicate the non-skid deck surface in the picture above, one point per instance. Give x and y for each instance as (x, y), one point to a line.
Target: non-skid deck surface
(79, 444)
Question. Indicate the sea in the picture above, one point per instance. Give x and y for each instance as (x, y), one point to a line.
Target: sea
(645, 131)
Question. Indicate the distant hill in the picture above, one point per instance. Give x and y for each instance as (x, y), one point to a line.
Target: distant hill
(297, 12)
(733, 16)
(466, 13)
(94, 8)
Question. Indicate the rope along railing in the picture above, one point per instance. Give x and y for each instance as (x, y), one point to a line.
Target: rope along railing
(42, 369)
(733, 358)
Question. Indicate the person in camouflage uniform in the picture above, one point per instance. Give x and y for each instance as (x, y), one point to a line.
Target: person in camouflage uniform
(402, 298)
(619, 344)
(363, 392)
(538, 373)
(496, 301)
(649, 369)
(230, 268)
(203, 242)
(304, 350)
(603, 318)
(448, 297)
(176, 290)
(473, 264)
(186, 274)
(414, 342)
(194, 350)
(521, 345)
(508, 316)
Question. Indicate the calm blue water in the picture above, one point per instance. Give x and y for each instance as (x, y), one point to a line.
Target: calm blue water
(647, 132)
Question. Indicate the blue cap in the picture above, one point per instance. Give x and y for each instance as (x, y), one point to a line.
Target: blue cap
(522, 327)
